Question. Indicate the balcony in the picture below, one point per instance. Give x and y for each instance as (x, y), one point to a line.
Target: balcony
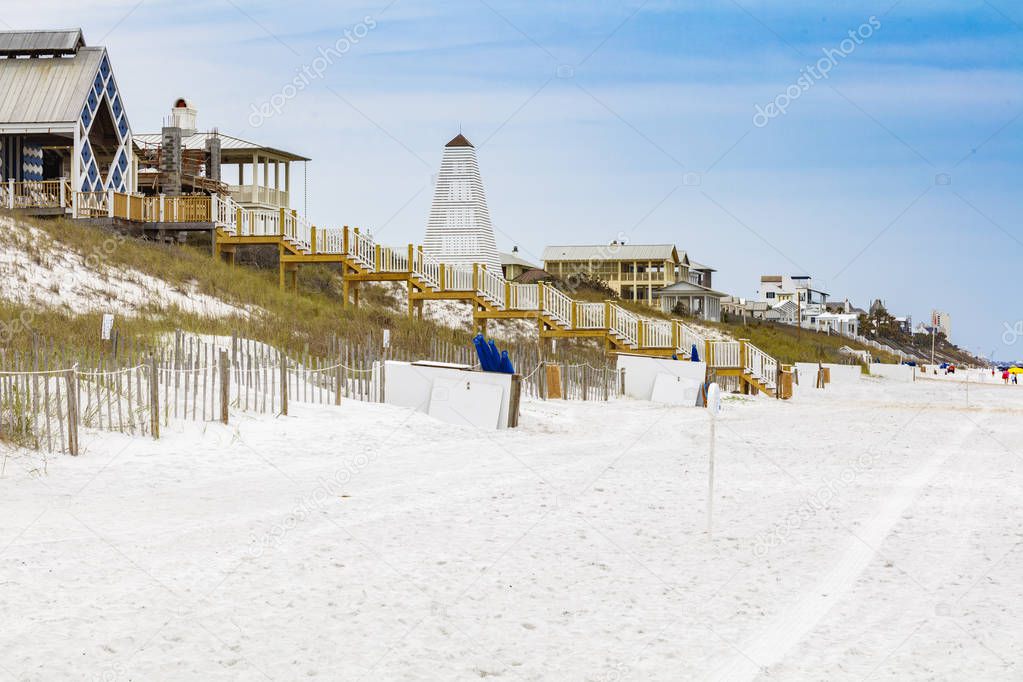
(261, 197)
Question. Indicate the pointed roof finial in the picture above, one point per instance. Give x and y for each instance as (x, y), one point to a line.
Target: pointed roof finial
(459, 141)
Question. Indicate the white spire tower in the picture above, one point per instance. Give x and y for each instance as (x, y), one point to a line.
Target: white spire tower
(459, 229)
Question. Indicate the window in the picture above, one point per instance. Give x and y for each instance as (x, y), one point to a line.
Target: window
(769, 294)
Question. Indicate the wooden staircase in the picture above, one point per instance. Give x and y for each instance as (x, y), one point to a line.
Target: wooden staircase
(363, 260)
(491, 296)
(756, 371)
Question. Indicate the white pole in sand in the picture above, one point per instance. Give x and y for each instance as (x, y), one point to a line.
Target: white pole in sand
(713, 408)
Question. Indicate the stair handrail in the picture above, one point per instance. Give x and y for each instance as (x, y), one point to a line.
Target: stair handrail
(491, 287)
(557, 306)
(687, 337)
(623, 324)
(760, 365)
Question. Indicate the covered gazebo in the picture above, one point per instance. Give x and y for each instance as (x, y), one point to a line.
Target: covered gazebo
(261, 176)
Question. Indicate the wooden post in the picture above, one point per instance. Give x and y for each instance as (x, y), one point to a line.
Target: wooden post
(284, 381)
(72, 412)
(344, 241)
(441, 276)
(376, 258)
(154, 398)
(283, 213)
(337, 382)
(411, 258)
(225, 386)
(514, 399)
(475, 277)
(312, 239)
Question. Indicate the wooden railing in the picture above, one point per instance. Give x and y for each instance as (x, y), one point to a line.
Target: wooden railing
(557, 306)
(491, 287)
(34, 194)
(590, 315)
(760, 364)
(686, 337)
(623, 324)
(724, 354)
(523, 296)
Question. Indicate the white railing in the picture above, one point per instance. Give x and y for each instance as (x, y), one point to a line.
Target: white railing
(491, 287)
(557, 306)
(362, 249)
(590, 315)
(393, 260)
(524, 297)
(724, 354)
(687, 338)
(226, 215)
(656, 334)
(298, 231)
(330, 240)
(260, 223)
(267, 196)
(458, 278)
(426, 268)
(623, 324)
(761, 365)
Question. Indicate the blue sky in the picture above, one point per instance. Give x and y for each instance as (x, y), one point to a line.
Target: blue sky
(897, 176)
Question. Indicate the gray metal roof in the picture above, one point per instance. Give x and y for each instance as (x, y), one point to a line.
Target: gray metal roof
(228, 144)
(514, 259)
(654, 252)
(40, 43)
(687, 288)
(47, 90)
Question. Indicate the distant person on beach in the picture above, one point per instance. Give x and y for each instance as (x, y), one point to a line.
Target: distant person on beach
(1005, 376)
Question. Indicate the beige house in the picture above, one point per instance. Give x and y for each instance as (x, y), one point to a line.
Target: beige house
(634, 271)
(513, 265)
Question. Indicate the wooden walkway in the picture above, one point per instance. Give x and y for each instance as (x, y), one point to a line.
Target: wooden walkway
(361, 259)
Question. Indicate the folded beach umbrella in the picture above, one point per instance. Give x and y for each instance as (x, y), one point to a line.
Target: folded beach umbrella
(482, 352)
(506, 363)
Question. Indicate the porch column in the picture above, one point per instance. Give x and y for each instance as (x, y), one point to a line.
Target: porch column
(277, 174)
(255, 174)
(287, 176)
